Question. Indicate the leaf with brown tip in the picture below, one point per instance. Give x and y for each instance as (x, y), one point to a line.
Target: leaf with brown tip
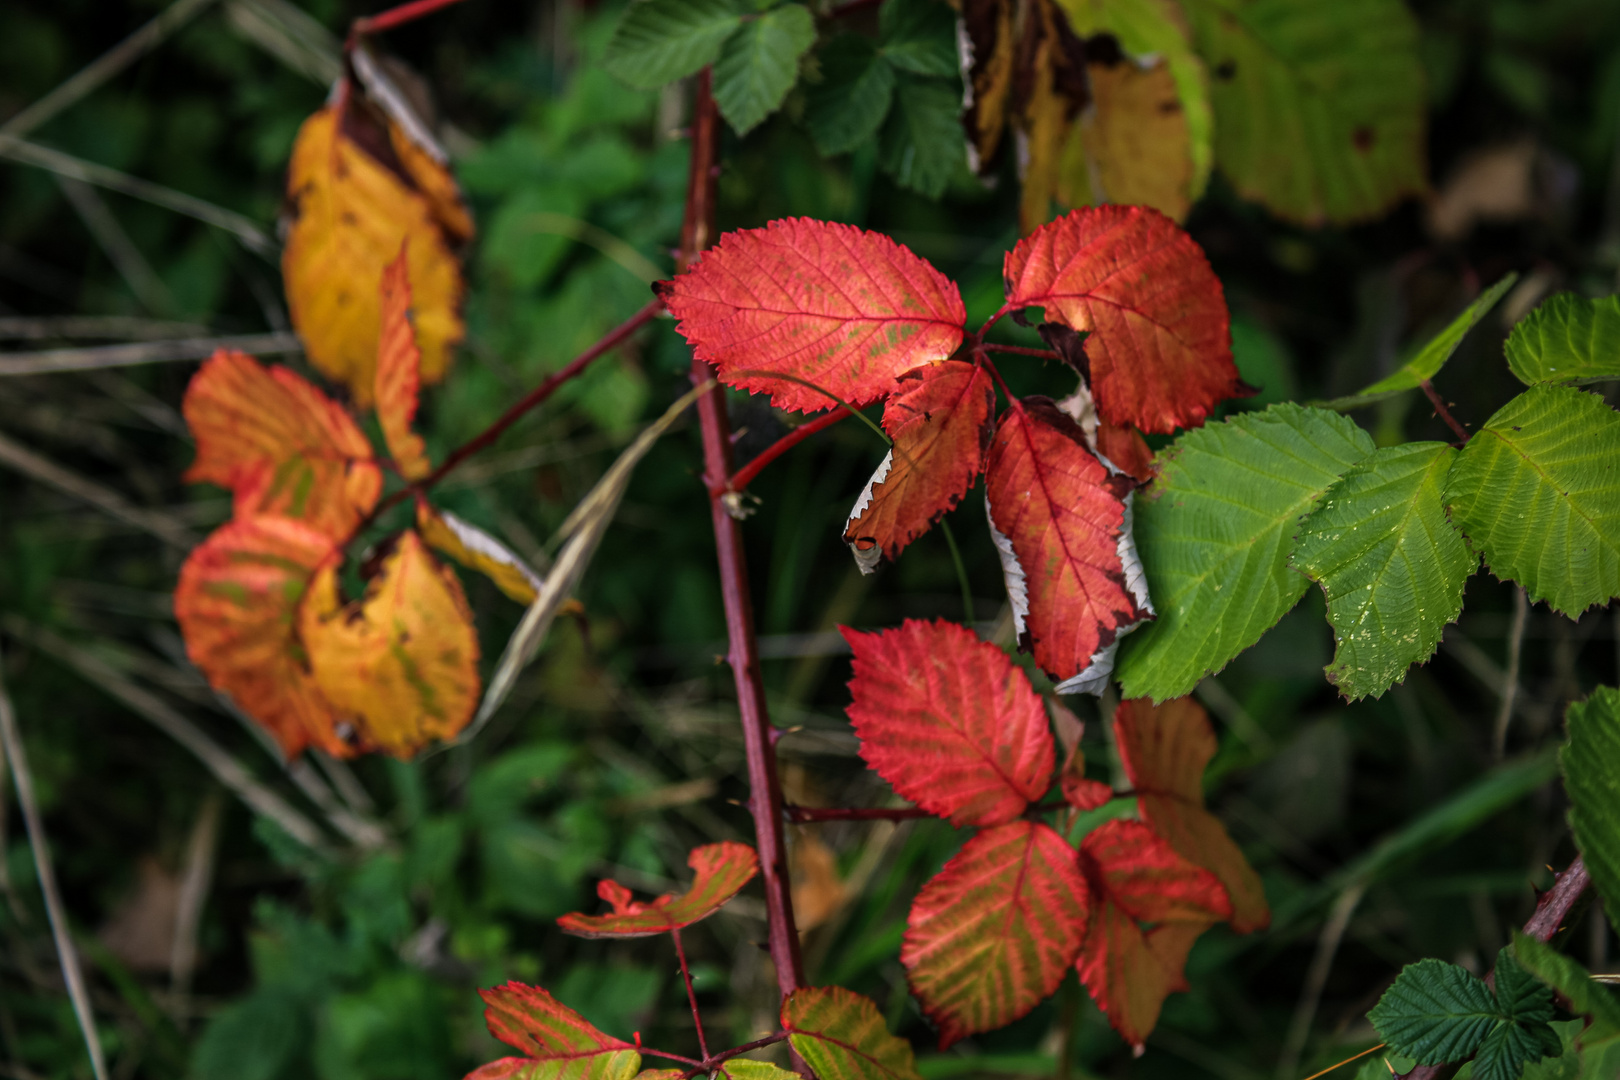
(719, 873)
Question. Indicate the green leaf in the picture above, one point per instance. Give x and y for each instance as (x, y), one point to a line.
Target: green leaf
(842, 1036)
(659, 41)
(1390, 562)
(846, 108)
(1524, 1033)
(1568, 338)
(1591, 763)
(1538, 490)
(760, 64)
(919, 36)
(1435, 1012)
(1319, 106)
(744, 1069)
(1586, 996)
(1433, 356)
(923, 145)
(1158, 28)
(1215, 531)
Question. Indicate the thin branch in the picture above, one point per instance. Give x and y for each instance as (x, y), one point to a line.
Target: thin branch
(744, 476)
(802, 814)
(1021, 350)
(46, 361)
(399, 16)
(691, 995)
(1510, 681)
(708, 1065)
(1442, 412)
(72, 973)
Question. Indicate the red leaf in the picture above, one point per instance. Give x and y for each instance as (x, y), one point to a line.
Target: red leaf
(1160, 348)
(281, 446)
(842, 1036)
(1082, 794)
(1058, 518)
(949, 722)
(845, 309)
(719, 870)
(550, 1033)
(399, 374)
(1164, 750)
(1134, 876)
(939, 420)
(237, 603)
(991, 935)
(1125, 447)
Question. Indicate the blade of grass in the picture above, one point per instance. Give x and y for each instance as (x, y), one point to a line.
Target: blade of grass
(65, 480)
(46, 361)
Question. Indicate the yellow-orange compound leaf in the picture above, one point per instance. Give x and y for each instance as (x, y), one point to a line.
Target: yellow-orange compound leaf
(399, 374)
(280, 445)
(475, 549)
(719, 872)
(1164, 750)
(401, 663)
(351, 212)
(991, 935)
(237, 604)
(557, 1042)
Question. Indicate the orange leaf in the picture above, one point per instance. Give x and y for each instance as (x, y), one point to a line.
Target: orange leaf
(939, 420)
(282, 447)
(1059, 521)
(845, 309)
(949, 721)
(399, 374)
(475, 549)
(719, 872)
(1135, 877)
(1164, 750)
(1160, 348)
(842, 1036)
(991, 935)
(1124, 446)
(557, 1042)
(351, 211)
(401, 663)
(237, 602)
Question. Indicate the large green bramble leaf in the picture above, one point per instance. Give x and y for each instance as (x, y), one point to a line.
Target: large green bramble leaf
(1586, 996)
(1567, 339)
(1591, 763)
(922, 143)
(1524, 1034)
(1390, 562)
(842, 1036)
(919, 36)
(1538, 490)
(659, 41)
(759, 65)
(846, 108)
(1319, 105)
(1214, 533)
(1435, 1012)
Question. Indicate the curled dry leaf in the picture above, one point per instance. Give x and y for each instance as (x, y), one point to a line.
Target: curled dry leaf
(475, 549)
(354, 200)
(949, 721)
(557, 1042)
(280, 445)
(401, 663)
(719, 873)
(237, 605)
(399, 374)
(846, 310)
(940, 421)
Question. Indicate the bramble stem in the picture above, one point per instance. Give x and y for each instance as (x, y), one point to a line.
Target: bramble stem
(647, 1051)
(765, 793)
(1441, 411)
(691, 995)
(989, 365)
(398, 16)
(1023, 350)
(744, 476)
(708, 1065)
(801, 814)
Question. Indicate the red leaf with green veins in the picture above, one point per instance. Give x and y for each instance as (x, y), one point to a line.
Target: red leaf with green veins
(281, 446)
(939, 420)
(1164, 750)
(842, 1036)
(1134, 877)
(949, 722)
(833, 305)
(1059, 521)
(558, 1043)
(992, 934)
(719, 872)
(1160, 349)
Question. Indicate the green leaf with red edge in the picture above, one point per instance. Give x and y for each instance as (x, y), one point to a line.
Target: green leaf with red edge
(949, 721)
(1061, 524)
(842, 1036)
(1164, 750)
(719, 872)
(1134, 876)
(237, 604)
(990, 936)
(1160, 349)
(399, 374)
(940, 421)
(557, 1042)
(280, 445)
(833, 305)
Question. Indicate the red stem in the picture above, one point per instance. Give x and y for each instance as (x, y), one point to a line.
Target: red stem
(708, 1065)
(1022, 350)
(800, 814)
(1441, 411)
(691, 995)
(744, 476)
(398, 16)
(765, 794)
(989, 365)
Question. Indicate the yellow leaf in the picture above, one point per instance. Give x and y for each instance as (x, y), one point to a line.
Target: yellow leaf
(1044, 131)
(1131, 146)
(988, 29)
(350, 214)
(401, 663)
(399, 374)
(475, 549)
